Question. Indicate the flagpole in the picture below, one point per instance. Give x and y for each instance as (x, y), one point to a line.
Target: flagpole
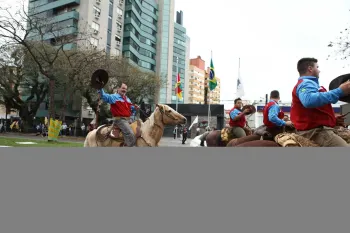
(176, 90)
(239, 74)
(209, 91)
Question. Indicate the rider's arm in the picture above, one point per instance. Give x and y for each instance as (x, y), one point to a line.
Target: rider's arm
(236, 115)
(110, 99)
(310, 97)
(132, 107)
(273, 115)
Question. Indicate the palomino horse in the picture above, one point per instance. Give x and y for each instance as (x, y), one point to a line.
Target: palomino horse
(148, 133)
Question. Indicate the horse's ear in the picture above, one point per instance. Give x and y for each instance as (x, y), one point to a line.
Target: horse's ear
(160, 107)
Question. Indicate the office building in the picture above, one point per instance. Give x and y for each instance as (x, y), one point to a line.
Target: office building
(179, 57)
(103, 19)
(140, 33)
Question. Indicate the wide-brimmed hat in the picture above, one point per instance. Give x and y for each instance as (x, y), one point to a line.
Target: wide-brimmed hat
(99, 79)
(337, 82)
(251, 108)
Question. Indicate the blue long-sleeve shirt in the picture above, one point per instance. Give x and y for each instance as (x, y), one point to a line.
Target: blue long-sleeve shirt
(273, 115)
(234, 113)
(310, 97)
(113, 98)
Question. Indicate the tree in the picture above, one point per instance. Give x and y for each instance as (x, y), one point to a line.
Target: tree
(142, 85)
(21, 87)
(44, 40)
(341, 45)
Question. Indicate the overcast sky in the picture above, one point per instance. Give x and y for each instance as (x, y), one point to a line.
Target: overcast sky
(269, 36)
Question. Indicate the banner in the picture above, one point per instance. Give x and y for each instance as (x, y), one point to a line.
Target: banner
(54, 129)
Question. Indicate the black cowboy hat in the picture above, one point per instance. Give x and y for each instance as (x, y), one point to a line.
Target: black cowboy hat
(337, 82)
(99, 79)
(251, 108)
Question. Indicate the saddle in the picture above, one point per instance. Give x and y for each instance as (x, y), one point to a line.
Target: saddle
(227, 133)
(115, 132)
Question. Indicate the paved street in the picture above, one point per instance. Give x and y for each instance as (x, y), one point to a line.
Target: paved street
(165, 141)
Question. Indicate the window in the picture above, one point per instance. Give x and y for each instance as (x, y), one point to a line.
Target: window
(119, 11)
(97, 12)
(117, 39)
(95, 26)
(94, 41)
(119, 26)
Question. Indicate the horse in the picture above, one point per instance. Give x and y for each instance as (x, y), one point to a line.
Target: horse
(220, 138)
(196, 142)
(148, 133)
(237, 141)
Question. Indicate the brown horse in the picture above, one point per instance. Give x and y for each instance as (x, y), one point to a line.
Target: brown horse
(215, 138)
(235, 142)
(220, 138)
(148, 134)
(259, 143)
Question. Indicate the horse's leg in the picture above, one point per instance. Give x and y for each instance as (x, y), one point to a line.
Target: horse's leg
(90, 140)
(211, 139)
(86, 142)
(204, 138)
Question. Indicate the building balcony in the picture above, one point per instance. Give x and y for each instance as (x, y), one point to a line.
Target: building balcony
(54, 4)
(65, 16)
(55, 34)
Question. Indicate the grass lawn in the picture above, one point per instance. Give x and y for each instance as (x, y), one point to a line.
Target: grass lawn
(9, 141)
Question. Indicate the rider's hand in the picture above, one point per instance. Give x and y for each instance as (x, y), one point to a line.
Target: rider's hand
(341, 120)
(247, 110)
(345, 87)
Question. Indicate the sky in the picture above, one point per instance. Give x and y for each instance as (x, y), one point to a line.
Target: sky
(269, 36)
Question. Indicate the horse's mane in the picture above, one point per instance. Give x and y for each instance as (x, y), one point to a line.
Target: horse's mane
(149, 123)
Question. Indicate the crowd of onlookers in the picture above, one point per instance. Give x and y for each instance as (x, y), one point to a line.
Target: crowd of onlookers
(40, 128)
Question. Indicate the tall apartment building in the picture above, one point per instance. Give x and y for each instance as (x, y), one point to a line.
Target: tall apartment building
(195, 91)
(140, 33)
(180, 59)
(104, 18)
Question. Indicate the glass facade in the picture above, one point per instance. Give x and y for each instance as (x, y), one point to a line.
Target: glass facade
(164, 49)
(140, 33)
(179, 60)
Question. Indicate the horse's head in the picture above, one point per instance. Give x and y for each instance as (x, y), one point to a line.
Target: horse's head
(169, 116)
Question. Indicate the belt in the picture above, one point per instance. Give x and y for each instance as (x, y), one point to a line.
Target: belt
(118, 118)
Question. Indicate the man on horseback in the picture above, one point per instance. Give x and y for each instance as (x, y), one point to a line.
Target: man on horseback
(121, 109)
(238, 120)
(312, 113)
(273, 115)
